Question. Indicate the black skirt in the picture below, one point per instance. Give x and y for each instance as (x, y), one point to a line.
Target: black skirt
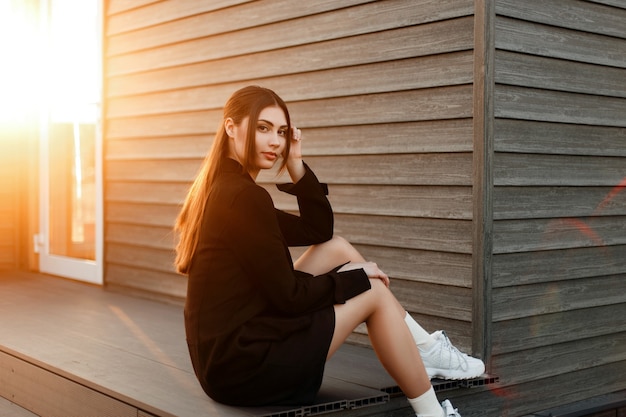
(270, 360)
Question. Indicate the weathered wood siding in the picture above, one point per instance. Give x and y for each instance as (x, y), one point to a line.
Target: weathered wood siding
(381, 89)
(559, 203)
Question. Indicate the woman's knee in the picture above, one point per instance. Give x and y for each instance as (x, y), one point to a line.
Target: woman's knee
(341, 245)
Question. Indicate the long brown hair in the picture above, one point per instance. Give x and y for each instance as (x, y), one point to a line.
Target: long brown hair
(246, 102)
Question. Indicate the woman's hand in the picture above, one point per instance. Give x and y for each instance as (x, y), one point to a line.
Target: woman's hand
(371, 269)
(295, 166)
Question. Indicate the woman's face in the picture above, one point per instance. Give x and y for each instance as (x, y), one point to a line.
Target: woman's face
(270, 138)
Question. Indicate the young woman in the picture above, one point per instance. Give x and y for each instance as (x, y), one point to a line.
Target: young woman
(260, 327)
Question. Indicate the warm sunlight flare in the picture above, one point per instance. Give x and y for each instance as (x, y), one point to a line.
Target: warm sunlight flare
(50, 60)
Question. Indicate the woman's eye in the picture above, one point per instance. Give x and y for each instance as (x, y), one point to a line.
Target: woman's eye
(282, 132)
(263, 128)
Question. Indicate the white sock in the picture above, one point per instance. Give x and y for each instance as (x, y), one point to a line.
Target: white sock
(422, 338)
(427, 405)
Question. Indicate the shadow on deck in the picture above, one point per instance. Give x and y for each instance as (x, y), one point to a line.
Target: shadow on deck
(71, 349)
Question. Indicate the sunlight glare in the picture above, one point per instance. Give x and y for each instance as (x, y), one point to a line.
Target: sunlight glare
(52, 64)
(20, 85)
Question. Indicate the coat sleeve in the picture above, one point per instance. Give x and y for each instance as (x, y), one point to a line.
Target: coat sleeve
(315, 223)
(258, 243)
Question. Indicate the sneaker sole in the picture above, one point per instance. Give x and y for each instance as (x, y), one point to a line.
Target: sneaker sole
(448, 374)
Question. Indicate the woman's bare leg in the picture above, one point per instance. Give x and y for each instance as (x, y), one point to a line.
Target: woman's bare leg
(321, 258)
(379, 309)
(390, 336)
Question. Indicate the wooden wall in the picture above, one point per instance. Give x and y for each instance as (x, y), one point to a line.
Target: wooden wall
(492, 192)
(18, 197)
(558, 264)
(381, 89)
(9, 202)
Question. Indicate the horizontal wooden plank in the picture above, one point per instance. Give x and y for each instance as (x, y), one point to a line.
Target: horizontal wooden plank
(557, 265)
(427, 104)
(557, 170)
(430, 39)
(548, 234)
(443, 268)
(124, 17)
(210, 22)
(177, 124)
(408, 74)
(552, 329)
(143, 281)
(542, 202)
(561, 107)
(50, 394)
(141, 235)
(119, 6)
(140, 257)
(526, 136)
(143, 214)
(453, 135)
(402, 232)
(172, 170)
(555, 74)
(159, 148)
(392, 200)
(538, 39)
(544, 362)
(405, 106)
(431, 299)
(515, 302)
(580, 15)
(373, 17)
(615, 3)
(146, 192)
(413, 169)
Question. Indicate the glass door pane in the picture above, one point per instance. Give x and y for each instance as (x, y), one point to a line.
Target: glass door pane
(72, 205)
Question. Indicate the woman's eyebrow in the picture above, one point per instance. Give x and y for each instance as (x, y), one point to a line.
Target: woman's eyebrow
(272, 124)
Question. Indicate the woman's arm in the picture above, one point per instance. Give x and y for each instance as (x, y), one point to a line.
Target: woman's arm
(295, 166)
(257, 241)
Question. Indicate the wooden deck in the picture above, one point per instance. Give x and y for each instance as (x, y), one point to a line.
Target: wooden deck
(71, 349)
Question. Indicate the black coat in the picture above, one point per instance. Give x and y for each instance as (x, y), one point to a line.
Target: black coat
(258, 331)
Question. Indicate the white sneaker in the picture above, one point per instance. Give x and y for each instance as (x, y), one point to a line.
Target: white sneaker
(445, 361)
(448, 410)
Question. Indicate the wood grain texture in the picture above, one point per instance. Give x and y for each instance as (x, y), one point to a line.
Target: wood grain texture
(551, 329)
(557, 265)
(415, 233)
(557, 170)
(579, 15)
(555, 74)
(549, 234)
(527, 136)
(409, 74)
(549, 41)
(561, 107)
(515, 302)
(124, 18)
(409, 42)
(213, 22)
(373, 17)
(544, 362)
